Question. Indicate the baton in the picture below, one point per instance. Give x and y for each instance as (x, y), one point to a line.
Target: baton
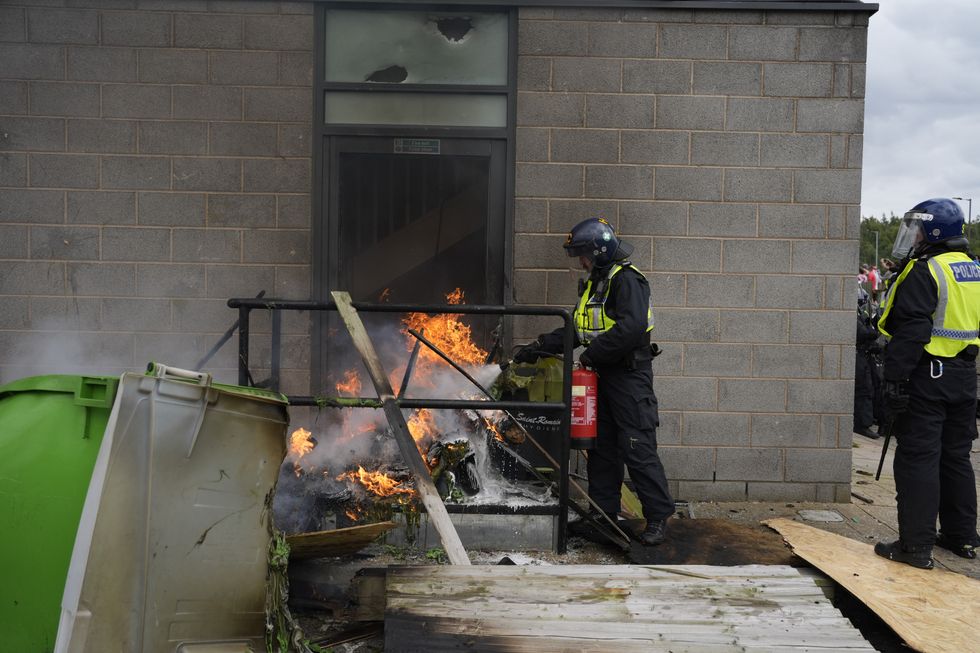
(884, 447)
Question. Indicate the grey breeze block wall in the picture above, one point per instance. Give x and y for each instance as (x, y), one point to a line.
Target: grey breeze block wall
(726, 146)
(154, 160)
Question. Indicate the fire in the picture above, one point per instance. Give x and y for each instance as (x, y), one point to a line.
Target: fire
(492, 428)
(385, 295)
(351, 385)
(448, 333)
(422, 426)
(455, 297)
(377, 483)
(300, 444)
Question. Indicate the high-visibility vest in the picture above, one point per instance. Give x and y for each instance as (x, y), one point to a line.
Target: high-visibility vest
(957, 318)
(591, 319)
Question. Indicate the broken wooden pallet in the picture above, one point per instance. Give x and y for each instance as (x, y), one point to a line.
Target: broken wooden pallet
(339, 542)
(933, 610)
(611, 607)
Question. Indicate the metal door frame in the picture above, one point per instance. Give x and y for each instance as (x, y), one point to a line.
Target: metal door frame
(494, 150)
(323, 227)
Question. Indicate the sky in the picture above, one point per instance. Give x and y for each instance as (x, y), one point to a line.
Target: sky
(922, 105)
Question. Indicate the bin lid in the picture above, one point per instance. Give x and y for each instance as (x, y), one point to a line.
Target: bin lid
(98, 391)
(193, 377)
(254, 393)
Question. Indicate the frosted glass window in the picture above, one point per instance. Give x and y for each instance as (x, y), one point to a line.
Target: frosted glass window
(366, 108)
(416, 47)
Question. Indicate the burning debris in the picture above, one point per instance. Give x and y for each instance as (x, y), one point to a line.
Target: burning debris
(353, 472)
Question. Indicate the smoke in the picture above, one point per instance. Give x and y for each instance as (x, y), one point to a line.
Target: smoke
(56, 346)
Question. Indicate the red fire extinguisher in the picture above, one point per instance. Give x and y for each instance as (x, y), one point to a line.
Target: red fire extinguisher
(584, 389)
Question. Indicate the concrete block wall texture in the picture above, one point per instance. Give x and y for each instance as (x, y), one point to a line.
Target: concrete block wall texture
(726, 147)
(155, 160)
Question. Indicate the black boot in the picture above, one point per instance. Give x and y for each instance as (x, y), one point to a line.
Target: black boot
(867, 432)
(917, 556)
(655, 533)
(962, 549)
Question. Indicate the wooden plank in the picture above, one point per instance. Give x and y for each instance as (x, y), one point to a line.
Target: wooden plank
(448, 634)
(434, 506)
(339, 542)
(934, 611)
(612, 607)
(368, 595)
(603, 571)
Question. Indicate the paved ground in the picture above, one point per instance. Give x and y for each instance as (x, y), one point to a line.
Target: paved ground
(869, 517)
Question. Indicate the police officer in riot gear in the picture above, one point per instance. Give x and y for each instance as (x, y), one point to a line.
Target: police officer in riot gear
(613, 320)
(931, 316)
(865, 384)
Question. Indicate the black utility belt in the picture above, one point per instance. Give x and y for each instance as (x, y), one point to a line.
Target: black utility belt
(969, 354)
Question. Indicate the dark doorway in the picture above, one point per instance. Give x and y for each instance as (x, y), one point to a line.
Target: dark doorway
(411, 220)
(412, 227)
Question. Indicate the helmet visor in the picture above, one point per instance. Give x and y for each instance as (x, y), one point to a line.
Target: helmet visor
(909, 234)
(580, 249)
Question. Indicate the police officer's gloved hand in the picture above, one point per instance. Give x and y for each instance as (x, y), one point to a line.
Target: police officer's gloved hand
(896, 397)
(529, 353)
(585, 361)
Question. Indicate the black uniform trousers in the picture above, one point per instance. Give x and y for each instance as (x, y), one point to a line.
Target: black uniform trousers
(933, 473)
(627, 434)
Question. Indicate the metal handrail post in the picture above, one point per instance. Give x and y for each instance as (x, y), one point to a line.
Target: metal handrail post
(566, 419)
(243, 336)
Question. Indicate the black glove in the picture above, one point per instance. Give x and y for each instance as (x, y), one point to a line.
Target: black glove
(896, 397)
(585, 360)
(529, 353)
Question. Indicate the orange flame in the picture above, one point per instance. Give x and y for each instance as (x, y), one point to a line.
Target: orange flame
(422, 426)
(385, 295)
(300, 444)
(351, 385)
(448, 333)
(492, 428)
(377, 483)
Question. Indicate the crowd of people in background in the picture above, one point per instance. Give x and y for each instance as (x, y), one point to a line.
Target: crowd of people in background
(872, 278)
(869, 407)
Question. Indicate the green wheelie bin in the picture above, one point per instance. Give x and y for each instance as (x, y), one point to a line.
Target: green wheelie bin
(51, 428)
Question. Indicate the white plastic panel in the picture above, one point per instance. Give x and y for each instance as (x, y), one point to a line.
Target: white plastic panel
(172, 546)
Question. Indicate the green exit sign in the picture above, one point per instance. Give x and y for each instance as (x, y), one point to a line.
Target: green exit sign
(417, 145)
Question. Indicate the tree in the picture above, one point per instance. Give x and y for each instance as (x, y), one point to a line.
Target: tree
(887, 230)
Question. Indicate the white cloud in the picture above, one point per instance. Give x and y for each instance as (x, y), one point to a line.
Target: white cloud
(922, 110)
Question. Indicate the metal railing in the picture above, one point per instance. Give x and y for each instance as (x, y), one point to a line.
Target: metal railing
(246, 305)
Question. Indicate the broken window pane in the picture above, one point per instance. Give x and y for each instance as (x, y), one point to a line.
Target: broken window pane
(416, 47)
(366, 108)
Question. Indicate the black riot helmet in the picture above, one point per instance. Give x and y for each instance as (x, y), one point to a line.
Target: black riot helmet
(595, 239)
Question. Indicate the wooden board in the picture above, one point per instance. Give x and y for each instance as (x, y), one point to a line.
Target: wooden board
(611, 607)
(339, 542)
(933, 610)
(436, 509)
